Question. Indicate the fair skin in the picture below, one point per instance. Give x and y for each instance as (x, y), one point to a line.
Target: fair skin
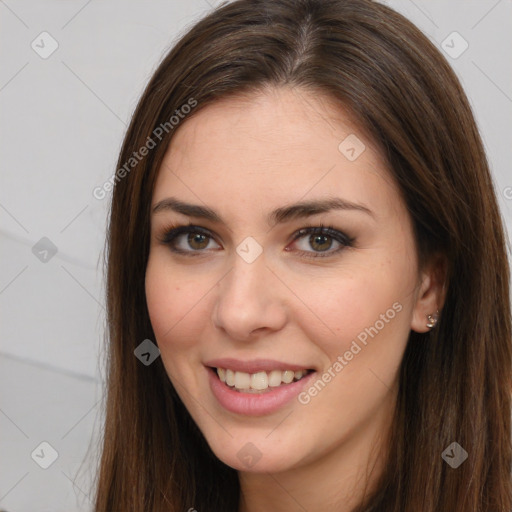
(244, 157)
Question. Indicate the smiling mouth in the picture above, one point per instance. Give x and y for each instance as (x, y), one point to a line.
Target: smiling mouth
(259, 382)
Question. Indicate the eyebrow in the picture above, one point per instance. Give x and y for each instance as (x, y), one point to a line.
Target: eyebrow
(277, 216)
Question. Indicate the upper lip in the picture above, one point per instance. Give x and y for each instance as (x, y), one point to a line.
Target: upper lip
(254, 366)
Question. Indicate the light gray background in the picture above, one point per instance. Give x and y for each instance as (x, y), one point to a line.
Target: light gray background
(63, 119)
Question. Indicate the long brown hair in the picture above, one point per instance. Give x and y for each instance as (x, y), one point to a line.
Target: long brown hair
(455, 381)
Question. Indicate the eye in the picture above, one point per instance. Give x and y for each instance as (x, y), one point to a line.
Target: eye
(193, 240)
(321, 239)
(196, 240)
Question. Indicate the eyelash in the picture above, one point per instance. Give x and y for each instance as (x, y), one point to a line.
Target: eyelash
(172, 232)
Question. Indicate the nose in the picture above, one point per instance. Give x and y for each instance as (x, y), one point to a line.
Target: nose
(250, 301)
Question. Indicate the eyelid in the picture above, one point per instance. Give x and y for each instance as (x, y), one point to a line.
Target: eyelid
(172, 231)
(323, 230)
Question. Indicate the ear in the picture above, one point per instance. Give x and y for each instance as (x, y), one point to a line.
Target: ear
(431, 292)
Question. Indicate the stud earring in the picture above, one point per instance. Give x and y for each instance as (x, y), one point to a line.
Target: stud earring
(432, 319)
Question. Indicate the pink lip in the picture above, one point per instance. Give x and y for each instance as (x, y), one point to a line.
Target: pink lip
(250, 404)
(257, 365)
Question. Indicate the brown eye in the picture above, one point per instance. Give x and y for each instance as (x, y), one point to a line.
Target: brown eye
(195, 243)
(318, 238)
(197, 240)
(320, 242)
(321, 239)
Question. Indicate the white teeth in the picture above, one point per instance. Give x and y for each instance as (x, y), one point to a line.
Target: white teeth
(230, 377)
(259, 381)
(288, 376)
(274, 378)
(242, 380)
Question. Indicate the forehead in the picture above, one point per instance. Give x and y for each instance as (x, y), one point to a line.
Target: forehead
(270, 147)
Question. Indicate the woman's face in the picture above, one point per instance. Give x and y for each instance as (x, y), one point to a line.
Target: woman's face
(245, 295)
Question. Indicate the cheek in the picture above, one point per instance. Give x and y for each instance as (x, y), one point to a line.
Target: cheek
(368, 318)
(350, 304)
(362, 314)
(174, 304)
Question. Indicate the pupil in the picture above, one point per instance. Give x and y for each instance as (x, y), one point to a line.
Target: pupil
(321, 237)
(197, 238)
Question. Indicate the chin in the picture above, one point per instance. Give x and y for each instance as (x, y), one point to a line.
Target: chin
(258, 455)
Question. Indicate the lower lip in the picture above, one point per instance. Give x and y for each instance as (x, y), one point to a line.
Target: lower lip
(252, 404)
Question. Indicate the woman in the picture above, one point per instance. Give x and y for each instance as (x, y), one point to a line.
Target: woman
(304, 223)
